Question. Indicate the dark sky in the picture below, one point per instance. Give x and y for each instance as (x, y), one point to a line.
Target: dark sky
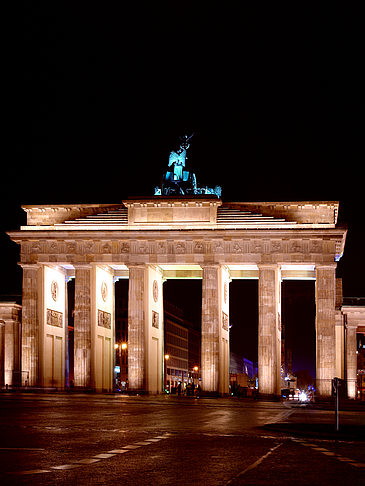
(98, 95)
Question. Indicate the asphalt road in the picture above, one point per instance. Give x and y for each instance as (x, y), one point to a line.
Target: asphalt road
(112, 439)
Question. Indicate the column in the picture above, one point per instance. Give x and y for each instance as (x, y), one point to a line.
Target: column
(215, 330)
(30, 326)
(136, 328)
(325, 328)
(52, 327)
(10, 316)
(351, 360)
(82, 327)
(154, 330)
(2, 352)
(102, 328)
(269, 336)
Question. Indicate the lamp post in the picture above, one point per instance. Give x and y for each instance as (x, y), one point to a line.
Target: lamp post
(196, 369)
(167, 357)
(121, 352)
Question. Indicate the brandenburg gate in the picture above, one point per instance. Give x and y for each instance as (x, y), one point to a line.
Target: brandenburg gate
(149, 240)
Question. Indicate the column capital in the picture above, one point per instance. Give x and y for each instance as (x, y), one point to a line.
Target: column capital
(326, 266)
(211, 265)
(30, 266)
(137, 265)
(268, 265)
(83, 266)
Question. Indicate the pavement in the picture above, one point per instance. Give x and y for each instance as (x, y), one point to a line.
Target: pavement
(88, 439)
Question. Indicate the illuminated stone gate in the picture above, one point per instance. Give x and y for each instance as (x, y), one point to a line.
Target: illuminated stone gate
(152, 239)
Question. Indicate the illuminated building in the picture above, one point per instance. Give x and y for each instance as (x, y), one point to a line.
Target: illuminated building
(184, 235)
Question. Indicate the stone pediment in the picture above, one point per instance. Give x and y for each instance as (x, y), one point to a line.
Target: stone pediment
(158, 213)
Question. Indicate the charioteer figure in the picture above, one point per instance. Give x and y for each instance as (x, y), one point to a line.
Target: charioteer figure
(177, 181)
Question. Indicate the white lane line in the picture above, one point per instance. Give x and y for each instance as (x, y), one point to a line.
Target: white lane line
(31, 471)
(86, 461)
(326, 452)
(255, 464)
(66, 466)
(104, 456)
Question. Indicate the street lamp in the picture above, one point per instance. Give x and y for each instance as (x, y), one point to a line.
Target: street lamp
(167, 357)
(121, 361)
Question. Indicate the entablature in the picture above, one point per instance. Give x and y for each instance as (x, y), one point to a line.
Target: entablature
(190, 247)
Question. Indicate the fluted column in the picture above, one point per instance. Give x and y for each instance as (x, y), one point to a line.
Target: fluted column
(30, 325)
(136, 328)
(215, 329)
(82, 327)
(2, 352)
(325, 328)
(351, 361)
(269, 336)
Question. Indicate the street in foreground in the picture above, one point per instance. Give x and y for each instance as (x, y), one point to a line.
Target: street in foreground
(112, 439)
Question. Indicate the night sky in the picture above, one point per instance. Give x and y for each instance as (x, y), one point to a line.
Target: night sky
(98, 95)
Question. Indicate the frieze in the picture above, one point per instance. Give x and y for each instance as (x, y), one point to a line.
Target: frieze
(106, 247)
(169, 250)
(276, 246)
(161, 247)
(71, 247)
(256, 246)
(54, 318)
(217, 247)
(104, 319)
(295, 246)
(315, 246)
(125, 247)
(180, 247)
(155, 319)
(198, 247)
(237, 247)
(37, 247)
(225, 321)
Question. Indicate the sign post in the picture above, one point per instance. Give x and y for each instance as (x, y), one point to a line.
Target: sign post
(336, 383)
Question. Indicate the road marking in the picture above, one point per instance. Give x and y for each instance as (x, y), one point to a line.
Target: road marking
(31, 471)
(326, 452)
(255, 464)
(104, 456)
(87, 461)
(66, 466)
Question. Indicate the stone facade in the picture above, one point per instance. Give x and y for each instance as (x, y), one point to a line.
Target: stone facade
(10, 335)
(149, 240)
